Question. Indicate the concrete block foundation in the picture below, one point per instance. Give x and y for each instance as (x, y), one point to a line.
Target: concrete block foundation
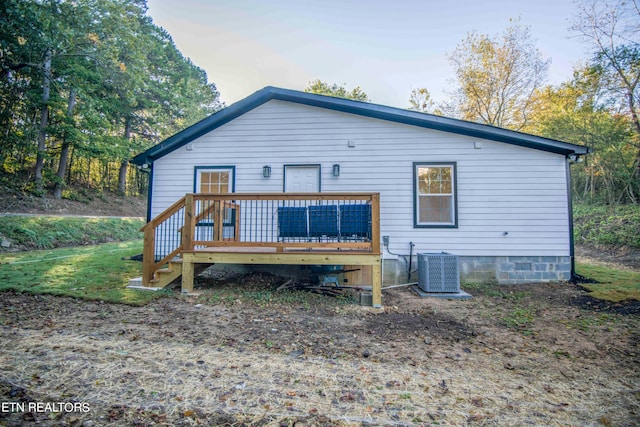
(482, 269)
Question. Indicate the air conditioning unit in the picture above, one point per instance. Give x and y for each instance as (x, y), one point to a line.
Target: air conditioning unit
(438, 272)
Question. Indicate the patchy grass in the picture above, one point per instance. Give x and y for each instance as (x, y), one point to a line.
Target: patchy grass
(47, 232)
(520, 318)
(588, 322)
(495, 290)
(614, 285)
(88, 272)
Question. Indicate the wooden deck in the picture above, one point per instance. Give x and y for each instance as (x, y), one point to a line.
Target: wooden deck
(201, 229)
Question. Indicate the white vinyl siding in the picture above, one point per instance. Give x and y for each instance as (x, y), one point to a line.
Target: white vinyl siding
(500, 187)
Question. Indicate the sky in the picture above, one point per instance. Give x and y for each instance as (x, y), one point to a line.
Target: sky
(386, 47)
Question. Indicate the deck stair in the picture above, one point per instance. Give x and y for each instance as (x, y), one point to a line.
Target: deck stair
(170, 275)
(167, 275)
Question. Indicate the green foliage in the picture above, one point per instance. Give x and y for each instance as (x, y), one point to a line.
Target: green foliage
(323, 88)
(573, 112)
(611, 31)
(90, 272)
(118, 85)
(44, 232)
(614, 285)
(617, 225)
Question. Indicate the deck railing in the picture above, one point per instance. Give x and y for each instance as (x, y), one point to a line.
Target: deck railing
(266, 221)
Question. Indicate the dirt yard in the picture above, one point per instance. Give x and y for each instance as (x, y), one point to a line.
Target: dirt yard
(542, 355)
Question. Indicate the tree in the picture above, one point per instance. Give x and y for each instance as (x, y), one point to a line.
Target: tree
(420, 100)
(86, 84)
(156, 89)
(613, 31)
(323, 88)
(60, 41)
(20, 33)
(574, 112)
(497, 78)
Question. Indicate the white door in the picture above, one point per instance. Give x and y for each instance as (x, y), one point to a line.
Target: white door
(302, 179)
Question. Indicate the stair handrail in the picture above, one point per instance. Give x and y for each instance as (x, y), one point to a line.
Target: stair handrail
(149, 264)
(211, 207)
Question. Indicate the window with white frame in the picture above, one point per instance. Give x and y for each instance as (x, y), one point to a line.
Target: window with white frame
(435, 195)
(214, 180)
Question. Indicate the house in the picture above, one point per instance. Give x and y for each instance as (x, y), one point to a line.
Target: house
(498, 199)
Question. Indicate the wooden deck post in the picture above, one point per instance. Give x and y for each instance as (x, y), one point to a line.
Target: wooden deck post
(148, 254)
(376, 270)
(375, 223)
(187, 229)
(188, 274)
(376, 284)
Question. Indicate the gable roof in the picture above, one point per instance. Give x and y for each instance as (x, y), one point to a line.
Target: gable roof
(366, 109)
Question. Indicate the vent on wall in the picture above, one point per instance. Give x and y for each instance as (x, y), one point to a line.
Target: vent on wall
(438, 272)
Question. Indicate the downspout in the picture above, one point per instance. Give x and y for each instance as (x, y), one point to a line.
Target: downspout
(147, 167)
(149, 190)
(570, 207)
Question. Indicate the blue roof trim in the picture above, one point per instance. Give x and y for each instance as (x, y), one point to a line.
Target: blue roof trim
(376, 111)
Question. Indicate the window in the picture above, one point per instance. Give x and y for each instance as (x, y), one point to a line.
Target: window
(435, 195)
(214, 180)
